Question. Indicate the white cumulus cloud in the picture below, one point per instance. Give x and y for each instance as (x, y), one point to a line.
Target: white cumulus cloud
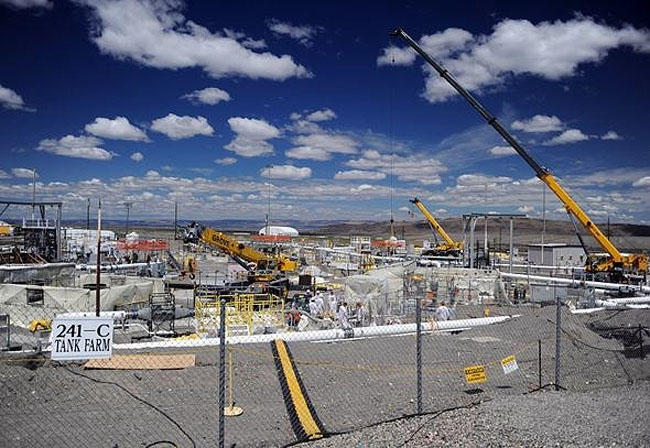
(359, 174)
(526, 209)
(321, 115)
(9, 99)
(287, 172)
(23, 173)
(248, 42)
(328, 142)
(24, 4)
(302, 33)
(500, 151)
(137, 157)
(539, 123)
(550, 50)
(409, 168)
(308, 153)
(642, 182)
(176, 127)
(117, 128)
(226, 161)
(611, 135)
(209, 95)
(396, 56)
(468, 180)
(566, 137)
(157, 34)
(82, 147)
(251, 136)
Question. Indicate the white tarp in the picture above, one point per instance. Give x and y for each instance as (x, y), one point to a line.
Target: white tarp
(56, 300)
(381, 290)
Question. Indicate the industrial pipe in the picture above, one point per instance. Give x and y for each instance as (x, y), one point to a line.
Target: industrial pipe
(319, 335)
(549, 267)
(576, 283)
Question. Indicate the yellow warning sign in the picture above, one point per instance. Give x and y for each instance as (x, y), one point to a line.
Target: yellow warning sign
(509, 364)
(475, 374)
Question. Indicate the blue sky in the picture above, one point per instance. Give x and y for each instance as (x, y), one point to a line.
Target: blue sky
(201, 103)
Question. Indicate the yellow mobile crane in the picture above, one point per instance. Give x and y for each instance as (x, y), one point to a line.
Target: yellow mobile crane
(614, 263)
(249, 258)
(449, 247)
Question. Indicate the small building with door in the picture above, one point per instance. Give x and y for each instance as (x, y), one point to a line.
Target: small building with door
(556, 254)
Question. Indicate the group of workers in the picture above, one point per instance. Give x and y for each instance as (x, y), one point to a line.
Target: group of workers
(330, 306)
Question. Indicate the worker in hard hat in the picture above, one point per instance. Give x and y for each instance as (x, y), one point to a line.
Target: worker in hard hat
(442, 312)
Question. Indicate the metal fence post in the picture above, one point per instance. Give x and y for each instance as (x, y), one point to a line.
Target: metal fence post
(539, 362)
(222, 371)
(640, 336)
(558, 332)
(418, 355)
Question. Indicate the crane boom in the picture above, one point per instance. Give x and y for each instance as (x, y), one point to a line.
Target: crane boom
(638, 262)
(242, 253)
(449, 244)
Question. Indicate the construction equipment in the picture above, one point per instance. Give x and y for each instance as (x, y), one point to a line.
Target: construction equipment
(249, 258)
(613, 263)
(449, 246)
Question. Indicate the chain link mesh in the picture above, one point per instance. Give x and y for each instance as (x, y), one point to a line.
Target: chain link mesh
(324, 379)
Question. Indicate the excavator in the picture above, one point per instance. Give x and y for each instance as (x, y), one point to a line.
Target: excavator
(449, 246)
(249, 258)
(613, 264)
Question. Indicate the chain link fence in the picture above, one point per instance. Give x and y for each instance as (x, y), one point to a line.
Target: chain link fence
(280, 380)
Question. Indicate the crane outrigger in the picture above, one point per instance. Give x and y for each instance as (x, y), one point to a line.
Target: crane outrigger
(614, 263)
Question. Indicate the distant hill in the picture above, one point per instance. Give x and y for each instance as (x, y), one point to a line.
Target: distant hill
(526, 231)
(627, 237)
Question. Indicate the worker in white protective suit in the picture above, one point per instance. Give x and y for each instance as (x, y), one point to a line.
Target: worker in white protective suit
(312, 306)
(344, 322)
(360, 315)
(332, 303)
(319, 301)
(442, 312)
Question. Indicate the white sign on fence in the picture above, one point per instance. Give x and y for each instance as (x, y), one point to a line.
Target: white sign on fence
(509, 364)
(82, 337)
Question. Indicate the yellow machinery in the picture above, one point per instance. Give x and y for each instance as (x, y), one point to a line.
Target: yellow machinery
(613, 263)
(251, 259)
(243, 312)
(449, 246)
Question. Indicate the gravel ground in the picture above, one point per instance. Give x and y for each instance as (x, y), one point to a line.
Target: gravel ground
(604, 417)
(352, 384)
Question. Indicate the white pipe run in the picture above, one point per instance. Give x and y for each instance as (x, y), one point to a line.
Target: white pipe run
(614, 304)
(114, 267)
(575, 283)
(629, 300)
(549, 267)
(318, 335)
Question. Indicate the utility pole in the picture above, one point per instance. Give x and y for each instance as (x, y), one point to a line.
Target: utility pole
(88, 214)
(99, 256)
(268, 213)
(128, 206)
(33, 193)
(510, 246)
(543, 219)
(175, 220)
